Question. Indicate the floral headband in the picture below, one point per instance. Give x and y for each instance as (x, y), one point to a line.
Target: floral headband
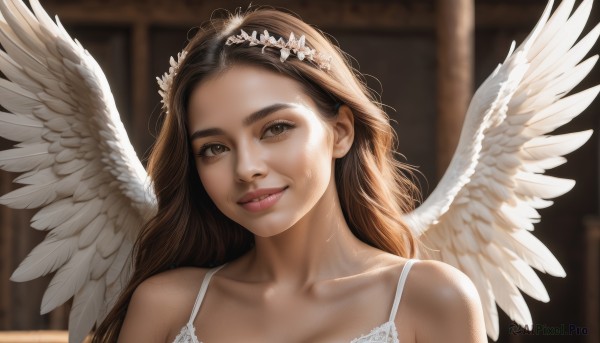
(166, 80)
(297, 46)
(293, 45)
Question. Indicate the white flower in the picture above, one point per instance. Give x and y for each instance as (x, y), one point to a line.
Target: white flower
(285, 52)
(293, 45)
(166, 81)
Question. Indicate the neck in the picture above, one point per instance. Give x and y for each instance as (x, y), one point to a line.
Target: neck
(319, 246)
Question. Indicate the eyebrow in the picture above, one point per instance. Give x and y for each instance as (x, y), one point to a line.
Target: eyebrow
(249, 120)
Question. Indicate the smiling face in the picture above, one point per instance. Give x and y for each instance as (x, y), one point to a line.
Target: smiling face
(253, 130)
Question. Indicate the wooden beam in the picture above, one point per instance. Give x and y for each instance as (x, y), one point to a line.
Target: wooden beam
(140, 66)
(364, 15)
(37, 337)
(6, 251)
(454, 32)
(592, 287)
(371, 15)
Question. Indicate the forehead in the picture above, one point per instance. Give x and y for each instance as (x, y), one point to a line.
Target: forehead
(241, 90)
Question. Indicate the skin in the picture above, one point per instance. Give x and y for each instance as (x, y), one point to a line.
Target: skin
(309, 279)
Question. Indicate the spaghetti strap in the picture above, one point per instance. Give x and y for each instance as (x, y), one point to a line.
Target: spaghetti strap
(400, 287)
(202, 291)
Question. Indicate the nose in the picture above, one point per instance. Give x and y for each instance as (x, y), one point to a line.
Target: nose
(250, 163)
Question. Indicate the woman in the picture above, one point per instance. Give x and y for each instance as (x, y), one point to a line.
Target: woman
(280, 204)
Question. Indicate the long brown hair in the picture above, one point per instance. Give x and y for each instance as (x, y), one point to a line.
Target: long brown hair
(189, 230)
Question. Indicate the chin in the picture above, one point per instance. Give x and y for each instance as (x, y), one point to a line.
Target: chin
(267, 228)
(267, 232)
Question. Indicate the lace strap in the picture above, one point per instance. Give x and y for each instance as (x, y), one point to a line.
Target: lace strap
(202, 291)
(400, 287)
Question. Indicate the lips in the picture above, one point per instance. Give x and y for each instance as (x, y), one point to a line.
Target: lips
(259, 194)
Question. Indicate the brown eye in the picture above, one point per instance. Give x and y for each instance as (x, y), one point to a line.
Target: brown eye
(277, 129)
(212, 150)
(217, 149)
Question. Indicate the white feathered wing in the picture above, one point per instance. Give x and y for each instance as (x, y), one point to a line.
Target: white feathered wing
(479, 217)
(77, 164)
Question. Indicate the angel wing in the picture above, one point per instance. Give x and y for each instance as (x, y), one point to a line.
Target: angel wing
(479, 217)
(76, 163)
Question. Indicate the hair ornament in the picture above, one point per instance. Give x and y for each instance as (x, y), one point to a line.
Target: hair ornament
(167, 79)
(293, 45)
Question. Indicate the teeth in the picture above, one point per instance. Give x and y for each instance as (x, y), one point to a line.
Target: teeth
(260, 198)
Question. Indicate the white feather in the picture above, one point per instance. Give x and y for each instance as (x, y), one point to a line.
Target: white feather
(506, 293)
(59, 103)
(32, 156)
(31, 196)
(543, 147)
(15, 49)
(542, 185)
(45, 258)
(562, 111)
(55, 214)
(526, 279)
(564, 83)
(480, 215)
(68, 280)
(16, 99)
(78, 221)
(120, 264)
(16, 74)
(22, 30)
(19, 128)
(109, 241)
(87, 303)
(101, 265)
(92, 230)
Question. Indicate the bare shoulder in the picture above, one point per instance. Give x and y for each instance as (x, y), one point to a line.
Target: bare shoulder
(443, 284)
(446, 302)
(175, 285)
(161, 305)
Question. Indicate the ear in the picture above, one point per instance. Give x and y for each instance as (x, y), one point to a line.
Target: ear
(343, 131)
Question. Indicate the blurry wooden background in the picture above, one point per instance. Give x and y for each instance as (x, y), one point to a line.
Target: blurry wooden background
(392, 40)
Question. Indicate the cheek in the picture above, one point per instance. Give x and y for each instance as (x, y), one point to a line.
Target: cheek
(308, 156)
(214, 182)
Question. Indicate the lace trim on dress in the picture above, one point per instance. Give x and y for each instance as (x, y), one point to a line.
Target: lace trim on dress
(384, 333)
(187, 335)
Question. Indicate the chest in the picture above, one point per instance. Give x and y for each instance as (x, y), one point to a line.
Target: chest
(235, 318)
(348, 310)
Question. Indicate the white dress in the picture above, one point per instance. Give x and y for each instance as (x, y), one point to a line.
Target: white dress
(385, 333)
